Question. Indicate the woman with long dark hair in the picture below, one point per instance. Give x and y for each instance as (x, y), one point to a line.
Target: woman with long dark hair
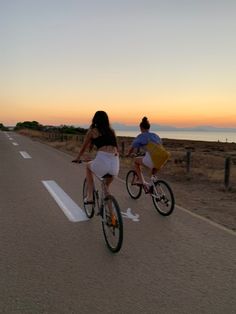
(106, 161)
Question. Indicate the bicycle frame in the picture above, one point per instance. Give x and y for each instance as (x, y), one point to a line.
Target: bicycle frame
(159, 190)
(109, 211)
(100, 195)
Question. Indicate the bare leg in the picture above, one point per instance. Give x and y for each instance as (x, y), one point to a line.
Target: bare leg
(89, 177)
(137, 164)
(108, 183)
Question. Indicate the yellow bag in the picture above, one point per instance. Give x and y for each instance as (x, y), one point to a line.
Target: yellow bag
(158, 153)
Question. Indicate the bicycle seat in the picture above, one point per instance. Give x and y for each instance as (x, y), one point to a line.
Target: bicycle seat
(107, 175)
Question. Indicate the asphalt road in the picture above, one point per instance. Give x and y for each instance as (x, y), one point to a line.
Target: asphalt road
(51, 262)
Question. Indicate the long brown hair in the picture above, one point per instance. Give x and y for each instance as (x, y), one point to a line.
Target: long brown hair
(101, 122)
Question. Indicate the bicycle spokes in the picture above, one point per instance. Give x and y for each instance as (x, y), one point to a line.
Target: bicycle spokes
(163, 198)
(133, 189)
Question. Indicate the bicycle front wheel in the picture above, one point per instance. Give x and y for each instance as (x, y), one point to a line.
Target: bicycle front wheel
(163, 198)
(112, 224)
(133, 189)
(89, 208)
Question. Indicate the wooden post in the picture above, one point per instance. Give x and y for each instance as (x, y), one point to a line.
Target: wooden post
(188, 159)
(227, 172)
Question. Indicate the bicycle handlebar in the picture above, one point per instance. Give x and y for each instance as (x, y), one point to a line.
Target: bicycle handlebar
(77, 161)
(80, 161)
(135, 155)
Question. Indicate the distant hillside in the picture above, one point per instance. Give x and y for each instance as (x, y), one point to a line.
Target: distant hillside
(202, 128)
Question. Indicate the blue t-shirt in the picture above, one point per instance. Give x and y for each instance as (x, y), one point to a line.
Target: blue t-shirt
(143, 138)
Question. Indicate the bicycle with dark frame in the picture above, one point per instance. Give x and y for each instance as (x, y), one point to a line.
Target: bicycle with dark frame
(109, 211)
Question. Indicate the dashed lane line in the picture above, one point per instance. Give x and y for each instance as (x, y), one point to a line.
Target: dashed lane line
(25, 155)
(72, 211)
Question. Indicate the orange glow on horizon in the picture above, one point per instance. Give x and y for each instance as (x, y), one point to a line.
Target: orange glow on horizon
(58, 112)
(58, 118)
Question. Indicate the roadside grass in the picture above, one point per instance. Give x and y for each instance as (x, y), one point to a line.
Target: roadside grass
(205, 164)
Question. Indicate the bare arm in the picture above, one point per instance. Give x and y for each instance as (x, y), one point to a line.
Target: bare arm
(86, 143)
(130, 151)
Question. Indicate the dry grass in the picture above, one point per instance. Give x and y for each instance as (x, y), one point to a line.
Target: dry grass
(207, 158)
(201, 190)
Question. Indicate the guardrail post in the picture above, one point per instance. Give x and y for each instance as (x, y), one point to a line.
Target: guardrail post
(227, 172)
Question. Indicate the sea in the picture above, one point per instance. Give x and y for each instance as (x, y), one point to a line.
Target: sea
(229, 137)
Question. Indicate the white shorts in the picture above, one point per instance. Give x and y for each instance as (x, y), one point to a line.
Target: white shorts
(105, 163)
(147, 161)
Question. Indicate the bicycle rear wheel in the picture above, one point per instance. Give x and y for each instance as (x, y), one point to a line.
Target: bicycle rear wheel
(133, 189)
(163, 198)
(89, 208)
(112, 224)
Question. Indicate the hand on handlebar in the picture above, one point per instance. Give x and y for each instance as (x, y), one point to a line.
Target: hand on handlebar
(80, 161)
(77, 161)
(131, 155)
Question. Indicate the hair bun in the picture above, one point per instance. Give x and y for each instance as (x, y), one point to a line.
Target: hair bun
(145, 123)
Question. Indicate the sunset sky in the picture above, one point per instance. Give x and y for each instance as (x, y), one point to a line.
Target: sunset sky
(173, 61)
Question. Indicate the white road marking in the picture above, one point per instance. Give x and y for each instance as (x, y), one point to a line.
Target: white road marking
(187, 211)
(10, 138)
(210, 222)
(129, 215)
(25, 155)
(72, 211)
(15, 144)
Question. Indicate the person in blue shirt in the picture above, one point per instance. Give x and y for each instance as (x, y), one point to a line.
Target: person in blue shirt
(140, 142)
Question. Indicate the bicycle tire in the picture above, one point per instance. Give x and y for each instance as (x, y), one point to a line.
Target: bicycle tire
(89, 208)
(134, 190)
(112, 227)
(164, 201)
